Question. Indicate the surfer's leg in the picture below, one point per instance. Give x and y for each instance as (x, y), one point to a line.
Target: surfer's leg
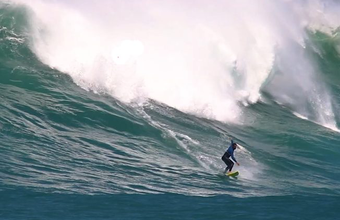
(230, 165)
(225, 160)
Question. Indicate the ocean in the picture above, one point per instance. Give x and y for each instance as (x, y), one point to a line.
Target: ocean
(123, 109)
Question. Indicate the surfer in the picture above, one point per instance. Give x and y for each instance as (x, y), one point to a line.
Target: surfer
(230, 153)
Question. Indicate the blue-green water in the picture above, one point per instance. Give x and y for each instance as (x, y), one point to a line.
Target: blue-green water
(91, 134)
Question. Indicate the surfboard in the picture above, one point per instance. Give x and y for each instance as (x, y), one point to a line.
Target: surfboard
(232, 174)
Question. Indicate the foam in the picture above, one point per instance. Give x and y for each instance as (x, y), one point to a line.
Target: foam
(200, 58)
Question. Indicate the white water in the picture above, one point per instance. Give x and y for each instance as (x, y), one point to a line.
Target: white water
(198, 57)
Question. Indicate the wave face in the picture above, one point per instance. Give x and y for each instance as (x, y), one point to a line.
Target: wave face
(126, 110)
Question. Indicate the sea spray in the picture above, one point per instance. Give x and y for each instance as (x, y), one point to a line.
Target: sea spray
(203, 59)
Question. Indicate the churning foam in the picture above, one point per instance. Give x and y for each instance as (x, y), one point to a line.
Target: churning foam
(199, 57)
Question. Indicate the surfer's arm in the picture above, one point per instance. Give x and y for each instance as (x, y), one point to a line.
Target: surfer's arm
(232, 156)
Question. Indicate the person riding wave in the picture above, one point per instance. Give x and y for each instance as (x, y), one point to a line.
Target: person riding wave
(230, 153)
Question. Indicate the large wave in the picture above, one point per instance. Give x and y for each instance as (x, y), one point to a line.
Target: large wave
(207, 59)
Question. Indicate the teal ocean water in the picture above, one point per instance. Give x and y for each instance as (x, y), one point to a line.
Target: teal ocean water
(122, 110)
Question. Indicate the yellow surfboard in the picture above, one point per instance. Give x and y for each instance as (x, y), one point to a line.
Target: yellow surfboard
(233, 174)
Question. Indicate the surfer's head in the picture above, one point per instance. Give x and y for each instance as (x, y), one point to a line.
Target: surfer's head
(234, 145)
